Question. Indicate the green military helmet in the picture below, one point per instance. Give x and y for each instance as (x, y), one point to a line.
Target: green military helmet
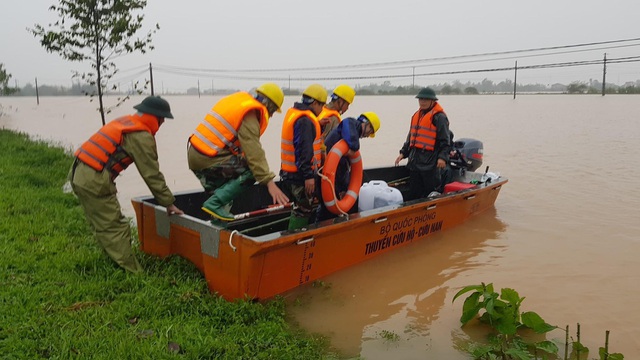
(427, 93)
(155, 105)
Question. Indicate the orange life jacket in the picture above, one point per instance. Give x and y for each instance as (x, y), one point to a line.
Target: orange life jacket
(104, 149)
(326, 112)
(219, 130)
(287, 151)
(423, 132)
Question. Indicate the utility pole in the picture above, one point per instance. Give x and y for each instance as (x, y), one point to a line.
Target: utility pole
(515, 80)
(604, 72)
(37, 95)
(413, 83)
(198, 88)
(151, 78)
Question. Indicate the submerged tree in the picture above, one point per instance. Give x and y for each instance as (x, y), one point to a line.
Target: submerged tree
(4, 82)
(96, 31)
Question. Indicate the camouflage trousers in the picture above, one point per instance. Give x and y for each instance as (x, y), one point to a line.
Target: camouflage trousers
(304, 203)
(215, 176)
(111, 228)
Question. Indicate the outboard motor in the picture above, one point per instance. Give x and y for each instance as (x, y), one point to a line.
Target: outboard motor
(468, 154)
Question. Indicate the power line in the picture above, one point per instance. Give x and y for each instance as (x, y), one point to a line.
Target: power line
(129, 77)
(400, 76)
(415, 62)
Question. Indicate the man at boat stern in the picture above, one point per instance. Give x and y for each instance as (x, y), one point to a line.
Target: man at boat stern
(427, 145)
(98, 162)
(225, 152)
(301, 153)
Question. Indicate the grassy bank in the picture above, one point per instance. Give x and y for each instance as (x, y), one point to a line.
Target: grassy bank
(61, 297)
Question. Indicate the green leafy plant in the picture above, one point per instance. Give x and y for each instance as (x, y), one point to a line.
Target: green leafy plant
(502, 313)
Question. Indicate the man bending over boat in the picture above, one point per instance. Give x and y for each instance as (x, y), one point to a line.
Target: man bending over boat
(300, 153)
(427, 145)
(100, 160)
(225, 152)
(351, 130)
(331, 114)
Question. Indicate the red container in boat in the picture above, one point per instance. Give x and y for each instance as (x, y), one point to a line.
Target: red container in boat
(457, 186)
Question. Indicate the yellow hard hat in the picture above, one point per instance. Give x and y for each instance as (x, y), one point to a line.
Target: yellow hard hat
(316, 92)
(374, 120)
(273, 93)
(345, 92)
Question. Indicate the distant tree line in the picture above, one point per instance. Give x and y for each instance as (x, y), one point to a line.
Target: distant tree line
(386, 88)
(489, 87)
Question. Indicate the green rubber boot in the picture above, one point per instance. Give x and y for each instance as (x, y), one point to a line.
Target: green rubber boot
(217, 204)
(297, 222)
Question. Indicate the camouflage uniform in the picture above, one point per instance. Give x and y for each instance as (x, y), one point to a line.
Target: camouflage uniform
(97, 194)
(213, 172)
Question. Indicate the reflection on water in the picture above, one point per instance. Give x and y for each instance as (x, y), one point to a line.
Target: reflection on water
(403, 293)
(564, 232)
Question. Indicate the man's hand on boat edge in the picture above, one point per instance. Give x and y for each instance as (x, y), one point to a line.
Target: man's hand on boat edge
(173, 210)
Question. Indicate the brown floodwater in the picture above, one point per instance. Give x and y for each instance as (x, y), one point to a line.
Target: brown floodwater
(564, 232)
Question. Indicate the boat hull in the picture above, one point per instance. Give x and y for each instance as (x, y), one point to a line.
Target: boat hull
(238, 263)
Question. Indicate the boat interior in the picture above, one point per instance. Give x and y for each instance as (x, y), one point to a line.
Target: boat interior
(257, 197)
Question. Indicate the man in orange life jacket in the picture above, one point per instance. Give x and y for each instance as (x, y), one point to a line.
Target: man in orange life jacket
(300, 153)
(99, 161)
(330, 116)
(225, 152)
(427, 145)
(351, 130)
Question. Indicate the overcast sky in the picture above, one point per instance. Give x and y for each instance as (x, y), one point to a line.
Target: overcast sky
(207, 35)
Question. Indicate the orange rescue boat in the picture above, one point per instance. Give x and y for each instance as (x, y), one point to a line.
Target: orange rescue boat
(257, 257)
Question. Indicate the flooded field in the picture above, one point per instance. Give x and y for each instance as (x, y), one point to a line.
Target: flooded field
(564, 231)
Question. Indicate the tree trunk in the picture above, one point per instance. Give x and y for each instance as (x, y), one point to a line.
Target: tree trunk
(98, 55)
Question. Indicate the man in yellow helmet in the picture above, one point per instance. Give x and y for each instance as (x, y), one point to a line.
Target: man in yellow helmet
(330, 116)
(300, 152)
(225, 152)
(350, 130)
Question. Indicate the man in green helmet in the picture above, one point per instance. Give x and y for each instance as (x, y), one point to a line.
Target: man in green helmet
(427, 145)
(98, 162)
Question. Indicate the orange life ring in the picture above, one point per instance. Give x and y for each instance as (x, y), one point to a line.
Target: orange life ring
(334, 155)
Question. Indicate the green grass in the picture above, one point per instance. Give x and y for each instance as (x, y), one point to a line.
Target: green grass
(61, 297)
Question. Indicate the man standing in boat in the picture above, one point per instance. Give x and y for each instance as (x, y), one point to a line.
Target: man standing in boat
(351, 130)
(300, 152)
(225, 152)
(427, 145)
(100, 160)
(330, 116)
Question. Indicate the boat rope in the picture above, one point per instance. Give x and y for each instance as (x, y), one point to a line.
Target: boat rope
(333, 189)
(231, 238)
